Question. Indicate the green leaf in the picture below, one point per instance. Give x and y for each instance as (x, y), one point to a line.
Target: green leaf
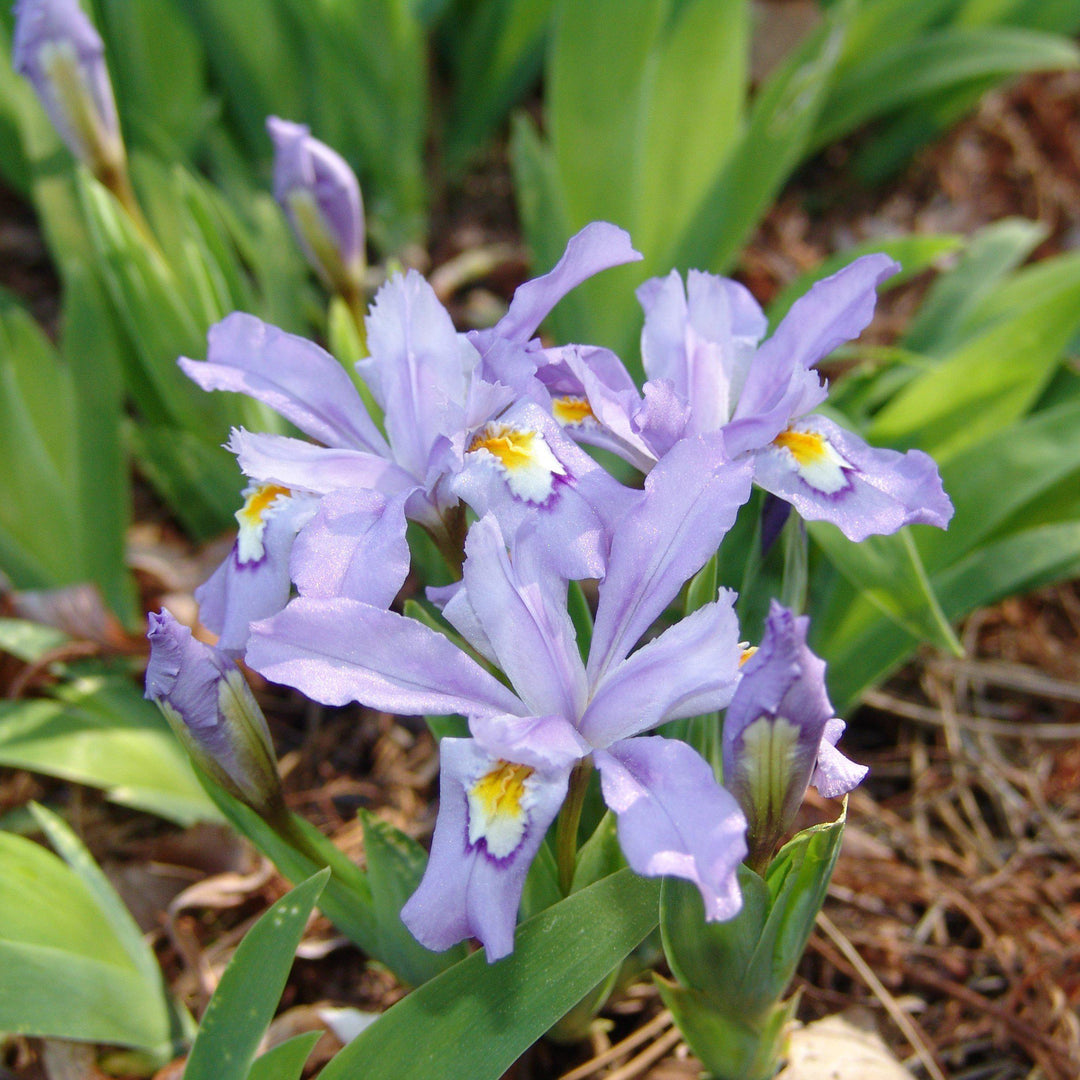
(989, 380)
(247, 996)
(496, 53)
(600, 856)
(730, 1047)
(198, 480)
(627, 148)
(29, 641)
(798, 879)
(76, 977)
(577, 604)
(348, 899)
(395, 865)
(933, 62)
(862, 647)
(774, 141)
(888, 571)
(1004, 480)
(99, 731)
(285, 1061)
(39, 521)
(92, 349)
(702, 588)
(703, 58)
(995, 251)
(157, 67)
(124, 928)
(715, 959)
(478, 1018)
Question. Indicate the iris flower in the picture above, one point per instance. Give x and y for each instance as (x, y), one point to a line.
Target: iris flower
(452, 433)
(710, 370)
(502, 788)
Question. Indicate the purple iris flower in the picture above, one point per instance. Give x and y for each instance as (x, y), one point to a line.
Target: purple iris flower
(502, 788)
(211, 708)
(709, 370)
(780, 734)
(321, 198)
(451, 435)
(57, 48)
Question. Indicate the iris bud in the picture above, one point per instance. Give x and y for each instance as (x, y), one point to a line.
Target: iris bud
(210, 706)
(58, 50)
(780, 735)
(321, 198)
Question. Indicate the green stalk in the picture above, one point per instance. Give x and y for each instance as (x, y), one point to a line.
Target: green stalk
(566, 830)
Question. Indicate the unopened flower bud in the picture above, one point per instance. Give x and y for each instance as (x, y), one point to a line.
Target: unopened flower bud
(780, 735)
(57, 48)
(321, 198)
(212, 710)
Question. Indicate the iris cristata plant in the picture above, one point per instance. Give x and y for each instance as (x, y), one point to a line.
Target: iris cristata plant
(475, 447)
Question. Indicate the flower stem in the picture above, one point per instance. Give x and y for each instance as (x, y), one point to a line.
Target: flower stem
(353, 295)
(567, 828)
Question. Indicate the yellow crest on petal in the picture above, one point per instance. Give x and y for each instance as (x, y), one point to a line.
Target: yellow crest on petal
(815, 459)
(571, 411)
(252, 519)
(524, 458)
(498, 807)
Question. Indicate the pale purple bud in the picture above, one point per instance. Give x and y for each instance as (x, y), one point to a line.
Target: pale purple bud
(213, 712)
(321, 198)
(780, 734)
(57, 48)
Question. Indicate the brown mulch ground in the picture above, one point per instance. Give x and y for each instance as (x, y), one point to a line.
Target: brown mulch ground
(953, 916)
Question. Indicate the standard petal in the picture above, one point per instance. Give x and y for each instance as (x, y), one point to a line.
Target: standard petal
(547, 743)
(674, 819)
(829, 474)
(353, 547)
(418, 370)
(690, 501)
(493, 815)
(340, 650)
(691, 668)
(834, 311)
(701, 339)
(293, 463)
(523, 614)
(292, 375)
(596, 402)
(597, 247)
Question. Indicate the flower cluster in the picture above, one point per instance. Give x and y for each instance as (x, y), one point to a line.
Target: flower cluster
(478, 443)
